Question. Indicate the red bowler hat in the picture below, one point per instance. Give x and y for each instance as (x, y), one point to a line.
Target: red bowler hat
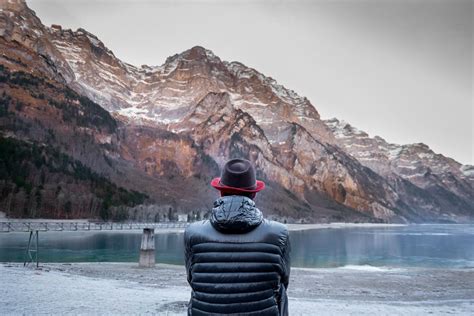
(238, 175)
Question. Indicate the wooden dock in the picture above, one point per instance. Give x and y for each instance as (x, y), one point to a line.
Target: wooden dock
(20, 226)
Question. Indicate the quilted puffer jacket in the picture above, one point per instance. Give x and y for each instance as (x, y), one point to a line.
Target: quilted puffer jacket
(237, 262)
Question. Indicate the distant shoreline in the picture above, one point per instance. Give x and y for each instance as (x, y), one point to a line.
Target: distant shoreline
(180, 230)
(295, 227)
(164, 230)
(291, 227)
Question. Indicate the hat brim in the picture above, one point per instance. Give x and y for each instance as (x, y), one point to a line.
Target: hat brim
(215, 183)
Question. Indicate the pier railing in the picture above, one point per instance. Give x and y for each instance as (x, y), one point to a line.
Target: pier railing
(20, 226)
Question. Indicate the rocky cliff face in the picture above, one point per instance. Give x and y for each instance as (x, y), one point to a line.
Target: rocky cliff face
(178, 122)
(447, 184)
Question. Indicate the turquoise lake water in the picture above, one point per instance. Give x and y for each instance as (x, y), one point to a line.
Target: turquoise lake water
(443, 246)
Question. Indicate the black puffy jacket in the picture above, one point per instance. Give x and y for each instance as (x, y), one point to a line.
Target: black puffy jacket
(237, 262)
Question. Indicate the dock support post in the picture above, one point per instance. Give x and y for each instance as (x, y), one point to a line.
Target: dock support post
(147, 249)
(32, 254)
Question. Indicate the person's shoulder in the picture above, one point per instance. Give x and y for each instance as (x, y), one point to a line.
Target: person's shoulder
(197, 224)
(277, 232)
(197, 228)
(199, 232)
(275, 226)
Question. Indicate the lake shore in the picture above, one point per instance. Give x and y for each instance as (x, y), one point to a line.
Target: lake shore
(123, 288)
(294, 227)
(291, 227)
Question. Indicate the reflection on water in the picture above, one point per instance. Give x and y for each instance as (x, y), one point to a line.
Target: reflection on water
(414, 245)
(91, 247)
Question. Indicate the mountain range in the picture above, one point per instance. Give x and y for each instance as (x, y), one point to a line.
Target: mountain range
(84, 134)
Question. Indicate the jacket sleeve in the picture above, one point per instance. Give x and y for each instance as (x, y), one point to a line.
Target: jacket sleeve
(187, 255)
(286, 261)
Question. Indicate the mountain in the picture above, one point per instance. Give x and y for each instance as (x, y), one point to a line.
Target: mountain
(168, 129)
(446, 183)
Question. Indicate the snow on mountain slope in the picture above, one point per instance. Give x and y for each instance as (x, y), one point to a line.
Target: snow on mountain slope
(165, 94)
(416, 163)
(195, 111)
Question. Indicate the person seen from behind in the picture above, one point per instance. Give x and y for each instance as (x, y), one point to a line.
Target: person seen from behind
(237, 262)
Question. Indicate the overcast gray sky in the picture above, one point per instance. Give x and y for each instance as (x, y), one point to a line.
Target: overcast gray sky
(402, 70)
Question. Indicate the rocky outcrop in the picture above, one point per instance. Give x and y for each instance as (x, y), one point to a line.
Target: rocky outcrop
(441, 184)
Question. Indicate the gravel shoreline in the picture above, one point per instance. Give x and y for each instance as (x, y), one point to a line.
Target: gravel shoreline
(123, 288)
